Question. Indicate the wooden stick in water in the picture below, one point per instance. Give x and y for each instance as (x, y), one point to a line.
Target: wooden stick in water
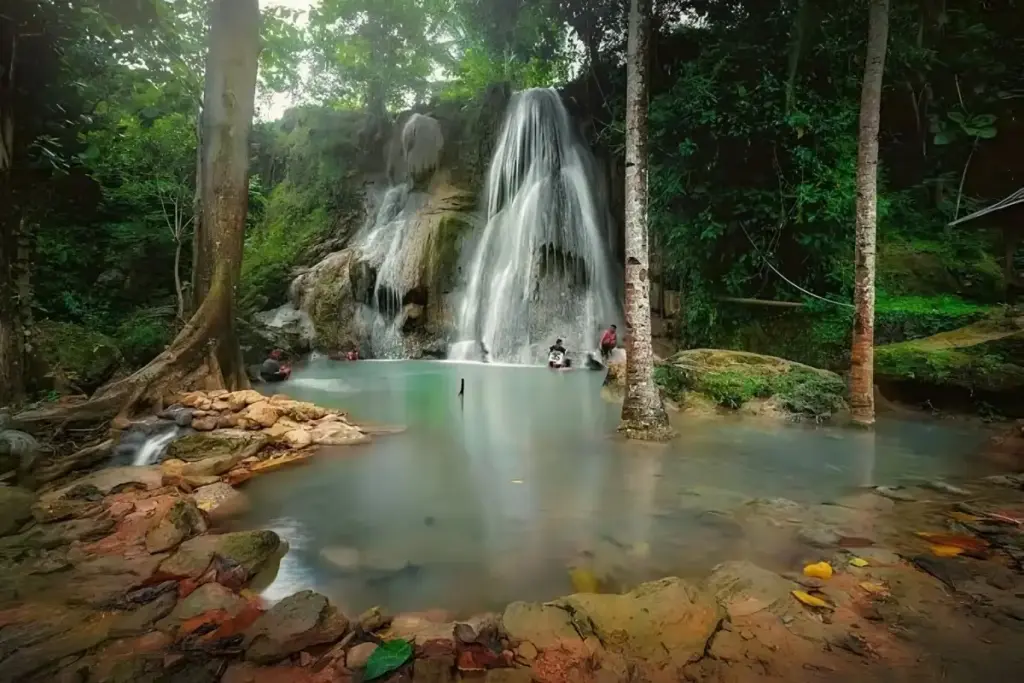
(462, 387)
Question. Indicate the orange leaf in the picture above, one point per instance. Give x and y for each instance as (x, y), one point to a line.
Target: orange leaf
(946, 550)
(811, 600)
(819, 570)
(872, 587)
(964, 517)
(956, 540)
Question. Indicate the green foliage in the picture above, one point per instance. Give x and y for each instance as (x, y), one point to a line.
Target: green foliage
(389, 656)
(145, 333)
(69, 356)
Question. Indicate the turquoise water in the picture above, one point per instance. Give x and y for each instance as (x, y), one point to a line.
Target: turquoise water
(494, 496)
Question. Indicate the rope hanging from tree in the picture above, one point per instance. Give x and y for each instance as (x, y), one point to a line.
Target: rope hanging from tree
(1014, 199)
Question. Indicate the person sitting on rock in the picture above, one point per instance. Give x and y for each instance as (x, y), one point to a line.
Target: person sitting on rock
(557, 346)
(273, 370)
(609, 341)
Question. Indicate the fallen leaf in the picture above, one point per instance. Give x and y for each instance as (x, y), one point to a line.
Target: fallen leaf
(386, 658)
(819, 570)
(810, 600)
(946, 550)
(583, 581)
(872, 587)
(955, 540)
(964, 517)
(858, 562)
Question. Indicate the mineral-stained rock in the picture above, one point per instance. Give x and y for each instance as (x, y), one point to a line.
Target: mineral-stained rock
(546, 626)
(434, 670)
(297, 622)
(15, 508)
(420, 629)
(359, 655)
(508, 676)
(263, 412)
(219, 500)
(743, 588)
(183, 520)
(47, 511)
(148, 477)
(197, 447)
(527, 650)
(662, 623)
(141, 620)
(83, 636)
(207, 598)
(249, 549)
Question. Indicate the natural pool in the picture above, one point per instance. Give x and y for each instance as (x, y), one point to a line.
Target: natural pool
(494, 496)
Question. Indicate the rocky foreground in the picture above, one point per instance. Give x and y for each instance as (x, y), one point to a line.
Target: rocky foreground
(120, 575)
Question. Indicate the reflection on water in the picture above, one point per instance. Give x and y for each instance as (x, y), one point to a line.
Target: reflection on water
(493, 496)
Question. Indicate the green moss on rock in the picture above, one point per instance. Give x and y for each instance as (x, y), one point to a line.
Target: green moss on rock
(733, 378)
(72, 358)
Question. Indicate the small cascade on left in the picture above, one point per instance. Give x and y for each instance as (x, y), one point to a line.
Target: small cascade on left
(153, 447)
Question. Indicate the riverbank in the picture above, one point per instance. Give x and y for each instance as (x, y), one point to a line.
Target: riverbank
(123, 575)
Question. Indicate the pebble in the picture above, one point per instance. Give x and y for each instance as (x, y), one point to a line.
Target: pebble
(527, 650)
(359, 655)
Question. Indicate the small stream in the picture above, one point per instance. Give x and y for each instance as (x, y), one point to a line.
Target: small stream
(493, 497)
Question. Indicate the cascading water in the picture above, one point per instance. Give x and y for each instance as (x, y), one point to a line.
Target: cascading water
(153, 447)
(542, 268)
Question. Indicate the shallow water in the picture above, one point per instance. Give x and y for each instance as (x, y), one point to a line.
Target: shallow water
(494, 496)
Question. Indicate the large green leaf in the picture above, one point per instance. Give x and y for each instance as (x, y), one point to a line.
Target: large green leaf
(956, 117)
(942, 138)
(387, 658)
(987, 133)
(983, 120)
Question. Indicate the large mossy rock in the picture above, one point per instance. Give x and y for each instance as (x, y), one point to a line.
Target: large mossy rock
(982, 363)
(70, 358)
(329, 293)
(733, 379)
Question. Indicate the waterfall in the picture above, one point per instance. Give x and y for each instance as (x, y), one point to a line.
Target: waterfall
(153, 447)
(542, 268)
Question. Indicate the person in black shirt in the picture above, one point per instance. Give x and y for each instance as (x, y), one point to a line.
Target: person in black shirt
(273, 370)
(557, 347)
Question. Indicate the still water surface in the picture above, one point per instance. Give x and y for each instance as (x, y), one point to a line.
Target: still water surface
(493, 497)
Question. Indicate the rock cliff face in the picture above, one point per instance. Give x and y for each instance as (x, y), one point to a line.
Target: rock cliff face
(384, 285)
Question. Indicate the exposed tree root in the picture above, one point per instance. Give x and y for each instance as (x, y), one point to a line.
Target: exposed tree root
(189, 362)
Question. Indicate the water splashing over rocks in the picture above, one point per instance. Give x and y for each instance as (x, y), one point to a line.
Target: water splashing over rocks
(542, 268)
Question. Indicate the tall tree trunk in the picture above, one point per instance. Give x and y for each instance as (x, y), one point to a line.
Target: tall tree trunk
(228, 108)
(643, 414)
(206, 349)
(11, 334)
(862, 400)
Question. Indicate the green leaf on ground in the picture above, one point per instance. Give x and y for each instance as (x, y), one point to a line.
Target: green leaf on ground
(387, 658)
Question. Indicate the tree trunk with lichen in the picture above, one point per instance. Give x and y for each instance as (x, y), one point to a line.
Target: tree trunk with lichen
(205, 353)
(643, 414)
(862, 399)
(11, 333)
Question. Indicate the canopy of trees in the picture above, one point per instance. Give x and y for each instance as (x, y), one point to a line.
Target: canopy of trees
(752, 123)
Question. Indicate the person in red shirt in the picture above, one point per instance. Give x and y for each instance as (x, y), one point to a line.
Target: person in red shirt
(609, 341)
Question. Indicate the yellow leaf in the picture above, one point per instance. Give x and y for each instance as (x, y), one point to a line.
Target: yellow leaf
(583, 581)
(810, 600)
(872, 587)
(819, 570)
(858, 562)
(946, 550)
(964, 517)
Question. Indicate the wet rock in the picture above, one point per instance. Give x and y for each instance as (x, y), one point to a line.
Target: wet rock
(145, 595)
(30, 659)
(743, 588)
(198, 447)
(527, 650)
(1012, 481)
(15, 508)
(481, 628)
(727, 646)
(141, 620)
(665, 622)
(943, 487)
(46, 512)
(338, 434)
(205, 424)
(210, 597)
(248, 549)
(546, 626)
(298, 438)
(435, 670)
(372, 620)
(818, 536)
(895, 493)
(421, 629)
(219, 500)
(79, 491)
(951, 571)
(111, 479)
(879, 556)
(359, 655)
(297, 622)
(182, 521)
(262, 413)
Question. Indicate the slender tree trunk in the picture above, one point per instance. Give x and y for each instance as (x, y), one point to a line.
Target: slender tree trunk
(177, 278)
(643, 415)
(862, 400)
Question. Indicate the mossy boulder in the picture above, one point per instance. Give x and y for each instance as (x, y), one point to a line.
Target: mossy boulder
(70, 358)
(734, 379)
(205, 445)
(982, 363)
(328, 293)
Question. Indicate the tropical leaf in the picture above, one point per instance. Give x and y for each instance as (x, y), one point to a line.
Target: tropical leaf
(819, 570)
(811, 600)
(387, 658)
